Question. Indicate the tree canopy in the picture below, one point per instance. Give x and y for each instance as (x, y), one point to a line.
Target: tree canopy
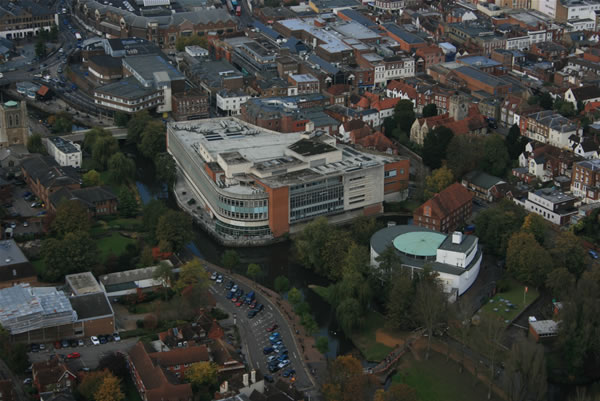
(70, 217)
(192, 274)
(527, 260)
(495, 225)
(495, 159)
(35, 145)
(121, 169)
(430, 110)
(174, 230)
(438, 180)
(435, 145)
(515, 143)
(91, 178)
(464, 153)
(153, 139)
(202, 374)
(104, 148)
(346, 381)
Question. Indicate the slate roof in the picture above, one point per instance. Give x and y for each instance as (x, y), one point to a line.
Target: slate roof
(21, 7)
(181, 356)
(89, 197)
(481, 179)
(47, 171)
(91, 306)
(586, 92)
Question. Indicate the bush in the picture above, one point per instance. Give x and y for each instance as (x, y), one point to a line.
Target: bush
(134, 333)
(282, 284)
(150, 321)
(218, 314)
(503, 285)
(323, 344)
(139, 323)
(302, 308)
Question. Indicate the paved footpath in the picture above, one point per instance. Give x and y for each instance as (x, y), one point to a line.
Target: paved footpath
(313, 362)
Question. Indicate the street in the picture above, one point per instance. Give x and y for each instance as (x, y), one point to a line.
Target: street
(255, 336)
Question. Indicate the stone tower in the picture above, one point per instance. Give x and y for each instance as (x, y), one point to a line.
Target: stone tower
(458, 107)
(14, 124)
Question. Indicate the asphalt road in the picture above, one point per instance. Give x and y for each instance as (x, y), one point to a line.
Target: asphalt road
(90, 354)
(255, 336)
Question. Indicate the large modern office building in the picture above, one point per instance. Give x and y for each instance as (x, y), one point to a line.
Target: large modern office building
(256, 183)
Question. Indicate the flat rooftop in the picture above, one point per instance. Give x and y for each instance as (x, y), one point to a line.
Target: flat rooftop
(83, 283)
(147, 65)
(419, 243)
(63, 145)
(11, 254)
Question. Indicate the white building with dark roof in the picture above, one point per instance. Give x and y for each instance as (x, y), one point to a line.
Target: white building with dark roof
(65, 153)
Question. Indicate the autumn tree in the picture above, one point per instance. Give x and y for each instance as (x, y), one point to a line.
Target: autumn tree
(192, 274)
(346, 381)
(437, 181)
(70, 217)
(525, 371)
(109, 390)
(174, 230)
(459, 147)
(202, 374)
(527, 260)
(396, 392)
(430, 304)
(495, 159)
(91, 178)
(536, 225)
(91, 382)
(121, 169)
(568, 251)
(435, 146)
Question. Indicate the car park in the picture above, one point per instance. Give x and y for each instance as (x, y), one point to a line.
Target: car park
(272, 328)
(268, 350)
(95, 340)
(252, 314)
(288, 372)
(283, 364)
(74, 355)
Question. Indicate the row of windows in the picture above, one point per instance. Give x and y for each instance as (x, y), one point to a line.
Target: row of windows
(242, 203)
(242, 216)
(239, 231)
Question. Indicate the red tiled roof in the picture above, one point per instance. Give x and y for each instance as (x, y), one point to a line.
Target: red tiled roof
(43, 90)
(377, 141)
(445, 202)
(338, 89)
(158, 388)
(353, 124)
(387, 103)
(181, 356)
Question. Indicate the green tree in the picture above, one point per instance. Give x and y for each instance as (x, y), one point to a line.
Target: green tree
(435, 146)
(525, 371)
(183, 41)
(192, 274)
(282, 284)
(568, 251)
(430, 110)
(40, 48)
(174, 229)
(121, 169)
(128, 205)
(389, 262)
(164, 274)
(560, 282)
(75, 253)
(437, 181)
(532, 100)
(488, 342)
(546, 101)
(461, 145)
(166, 169)
(400, 301)
(404, 115)
(515, 143)
(53, 33)
(527, 260)
(151, 213)
(495, 156)
(495, 225)
(121, 119)
(70, 217)
(349, 315)
(254, 271)
(309, 245)
(90, 138)
(230, 259)
(430, 305)
(363, 228)
(91, 178)
(35, 145)
(294, 296)
(104, 148)
(136, 125)
(153, 140)
(14, 354)
(323, 345)
(536, 225)
(564, 107)
(109, 390)
(146, 258)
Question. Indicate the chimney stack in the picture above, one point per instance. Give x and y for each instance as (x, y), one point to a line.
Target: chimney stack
(245, 379)
(253, 376)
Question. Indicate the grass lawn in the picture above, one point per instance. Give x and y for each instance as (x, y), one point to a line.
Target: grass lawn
(438, 380)
(365, 341)
(321, 291)
(114, 243)
(132, 224)
(497, 306)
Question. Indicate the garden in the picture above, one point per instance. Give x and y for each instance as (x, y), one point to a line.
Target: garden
(511, 299)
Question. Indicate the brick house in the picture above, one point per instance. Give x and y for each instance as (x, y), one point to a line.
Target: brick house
(44, 176)
(585, 180)
(98, 201)
(178, 360)
(447, 211)
(304, 83)
(151, 381)
(52, 376)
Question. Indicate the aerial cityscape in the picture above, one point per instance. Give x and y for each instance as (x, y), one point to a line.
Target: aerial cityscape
(303, 200)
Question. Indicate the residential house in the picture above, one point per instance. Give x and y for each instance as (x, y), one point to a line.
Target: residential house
(553, 205)
(11, 157)
(545, 162)
(447, 211)
(52, 376)
(226, 357)
(15, 268)
(66, 153)
(229, 102)
(585, 180)
(98, 201)
(44, 176)
(376, 141)
(152, 383)
(178, 360)
(484, 186)
(587, 146)
(548, 127)
(582, 95)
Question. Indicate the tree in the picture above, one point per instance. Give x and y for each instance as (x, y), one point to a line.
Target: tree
(464, 153)
(335, 249)
(40, 49)
(429, 304)
(525, 371)
(437, 181)
(91, 382)
(230, 259)
(146, 258)
(75, 253)
(430, 110)
(164, 274)
(128, 205)
(560, 282)
(532, 100)
(14, 354)
(536, 225)
(309, 244)
(389, 263)
(70, 217)
(435, 145)
(564, 107)
(349, 315)
(495, 158)
(294, 296)
(35, 145)
(396, 392)
(63, 123)
(115, 363)
(495, 225)
(90, 138)
(91, 178)
(153, 139)
(202, 374)
(460, 327)
(136, 125)
(363, 228)
(527, 260)
(281, 284)
(166, 169)
(104, 148)
(515, 143)
(568, 251)
(109, 390)
(400, 301)
(121, 119)
(254, 271)
(346, 380)
(546, 101)
(121, 169)
(323, 345)
(174, 229)
(404, 115)
(192, 274)
(183, 41)
(151, 213)
(488, 342)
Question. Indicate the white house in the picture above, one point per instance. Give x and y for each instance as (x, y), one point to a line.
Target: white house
(554, 206)
(229, 102)
(64, 152)
(583, 94)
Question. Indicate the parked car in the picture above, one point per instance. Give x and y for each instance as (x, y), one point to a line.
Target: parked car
(220, 278)
(259, 307)
(42, 347)
(73, 343)
(250, 297)
(268, 350)
(252, 304)
(252, 314)
(283, 364)
(272, 358)
(213, 276)
(229, 285)
(102, 339)
(275, 336)
(65, 343)
(239, 293)
(269, 378)
(272, 328)
(116, 336)
(239, 302)
(25, 224)
(282, 350)
(234, 288)
(28, 380)
(94, 340)
(74, 355)
(282, 357)
(80, 342)
(34, 348)
(230, 295)
(593, 254)
(57, 345)
(289, 372)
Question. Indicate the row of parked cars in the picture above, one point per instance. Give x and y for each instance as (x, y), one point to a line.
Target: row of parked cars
(95, 340)
(277, 353)
(236, 295)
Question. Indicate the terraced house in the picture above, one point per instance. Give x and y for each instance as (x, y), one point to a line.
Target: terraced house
(25, 18)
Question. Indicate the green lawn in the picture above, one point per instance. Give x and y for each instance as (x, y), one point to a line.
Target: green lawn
(321, 291)
(497, 306)
(131, 224)
(114, 244)
(364, 339)
(439, 380)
